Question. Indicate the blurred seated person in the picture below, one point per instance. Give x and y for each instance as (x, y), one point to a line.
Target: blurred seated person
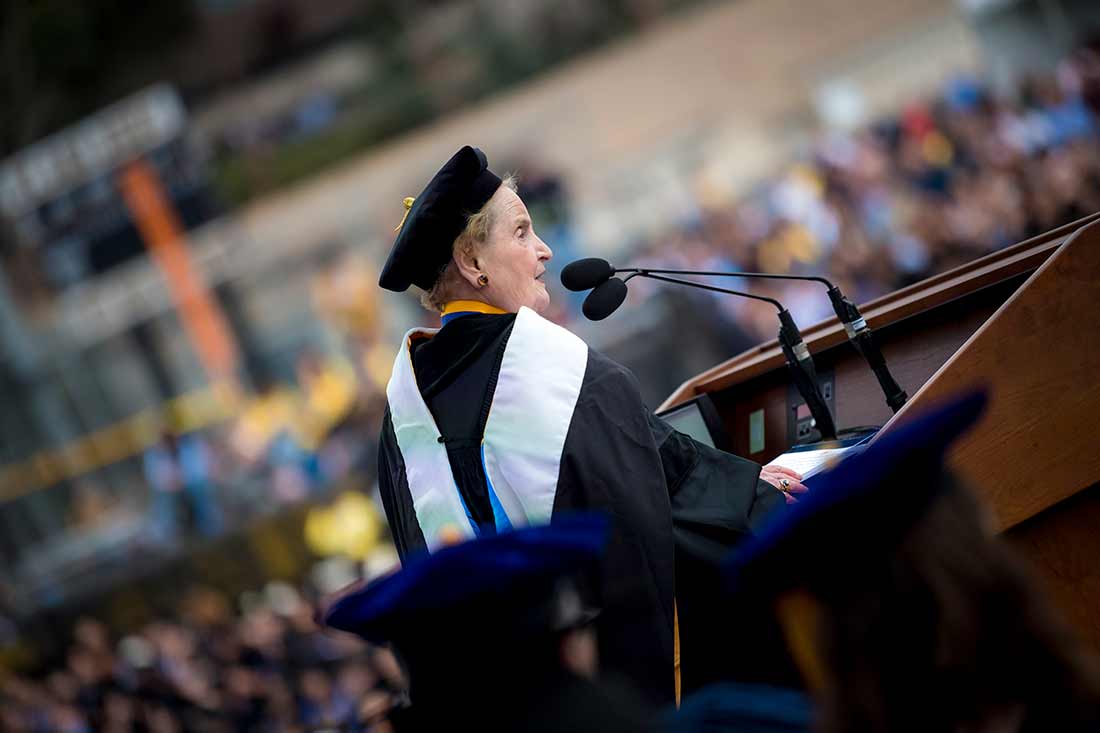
(328, 391)
(493, 635)
(502, 419)
(268, 434)
(901, 608)
(343, 294)
(178, 469)
(329, 395)
(345, 297)
(268, 413)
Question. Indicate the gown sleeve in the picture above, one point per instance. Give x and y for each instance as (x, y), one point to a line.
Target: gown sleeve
(396, 498)
(717, 499)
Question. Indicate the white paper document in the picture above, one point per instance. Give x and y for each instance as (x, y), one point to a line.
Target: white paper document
(810, 462)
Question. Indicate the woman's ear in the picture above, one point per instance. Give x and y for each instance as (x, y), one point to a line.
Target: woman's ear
(467, 265)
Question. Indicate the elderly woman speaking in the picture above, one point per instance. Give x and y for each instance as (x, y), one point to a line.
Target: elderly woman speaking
(501, 419)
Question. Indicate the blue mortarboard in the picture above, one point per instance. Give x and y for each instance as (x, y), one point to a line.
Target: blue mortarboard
(435, 218)
(859, 510)
(505, 582)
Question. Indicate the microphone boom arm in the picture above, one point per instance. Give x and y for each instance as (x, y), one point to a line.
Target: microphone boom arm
(847, 313)
(863, 339)
(799, 360)
(692, 283)
(765, 275)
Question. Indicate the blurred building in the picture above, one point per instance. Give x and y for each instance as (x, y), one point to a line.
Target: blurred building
(67, 225)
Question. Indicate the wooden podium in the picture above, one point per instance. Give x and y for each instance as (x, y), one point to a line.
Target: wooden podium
(1024, 322)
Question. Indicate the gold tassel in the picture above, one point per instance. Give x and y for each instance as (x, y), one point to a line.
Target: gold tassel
(408, 201)
(676, 650)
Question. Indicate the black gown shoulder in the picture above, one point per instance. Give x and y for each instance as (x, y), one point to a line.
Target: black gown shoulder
(456, 373)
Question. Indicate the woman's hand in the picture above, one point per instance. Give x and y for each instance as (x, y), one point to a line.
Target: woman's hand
(784, 479)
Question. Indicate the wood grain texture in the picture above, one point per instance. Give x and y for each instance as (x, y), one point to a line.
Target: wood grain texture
(1039, 355)
(1062, 545)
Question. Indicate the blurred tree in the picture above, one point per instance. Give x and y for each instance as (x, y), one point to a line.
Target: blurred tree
(61, 60)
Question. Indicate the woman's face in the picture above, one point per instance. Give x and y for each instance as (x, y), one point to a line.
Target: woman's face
(514, 258)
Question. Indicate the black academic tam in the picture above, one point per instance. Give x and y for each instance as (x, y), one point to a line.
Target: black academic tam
(435, 217)
(500, 421)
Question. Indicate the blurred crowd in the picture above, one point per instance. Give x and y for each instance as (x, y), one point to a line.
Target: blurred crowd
(946, 180)
(268, 668)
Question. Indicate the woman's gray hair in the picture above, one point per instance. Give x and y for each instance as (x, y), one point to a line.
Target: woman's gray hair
(469, 242)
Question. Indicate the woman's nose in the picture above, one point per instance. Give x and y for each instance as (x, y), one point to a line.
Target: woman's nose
(546, 252)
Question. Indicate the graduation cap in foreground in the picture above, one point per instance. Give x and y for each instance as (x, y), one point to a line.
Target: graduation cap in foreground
(434, 219)
(502, 588)
(857, 511)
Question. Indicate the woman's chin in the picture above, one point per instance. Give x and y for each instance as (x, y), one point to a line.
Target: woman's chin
(541, 303)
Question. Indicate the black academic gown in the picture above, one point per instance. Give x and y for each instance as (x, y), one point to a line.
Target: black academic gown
(678, 506)
(504, 699)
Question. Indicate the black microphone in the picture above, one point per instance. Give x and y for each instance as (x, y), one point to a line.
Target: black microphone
(591, 271)
(586, 274)
(862, 338)
(606, 297)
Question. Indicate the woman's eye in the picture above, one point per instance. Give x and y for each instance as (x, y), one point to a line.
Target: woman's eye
(521, 232)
